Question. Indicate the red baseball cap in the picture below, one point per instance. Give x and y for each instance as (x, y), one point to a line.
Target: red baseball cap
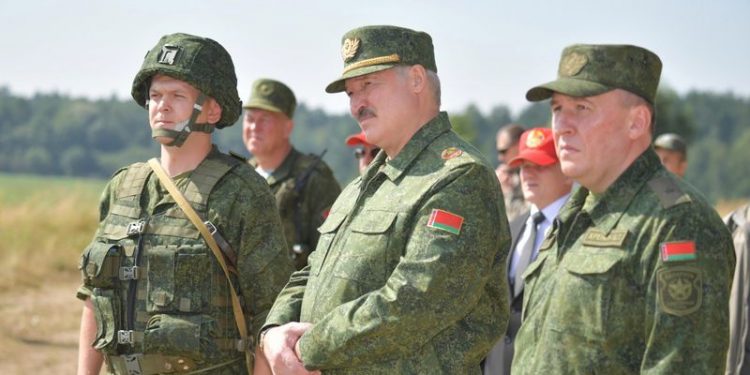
(357, 139)
(537, 146)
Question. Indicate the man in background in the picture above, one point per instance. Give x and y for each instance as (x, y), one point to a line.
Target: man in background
(546, 189)
(364, 151)
(672, 150)
(303, 185)
(507, 149)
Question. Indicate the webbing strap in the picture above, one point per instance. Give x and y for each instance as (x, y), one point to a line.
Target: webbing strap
(239, 317)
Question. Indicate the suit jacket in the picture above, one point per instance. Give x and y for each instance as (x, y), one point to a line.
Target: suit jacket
(499, 359)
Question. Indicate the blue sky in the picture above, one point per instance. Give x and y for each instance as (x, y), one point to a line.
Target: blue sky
(487, 52)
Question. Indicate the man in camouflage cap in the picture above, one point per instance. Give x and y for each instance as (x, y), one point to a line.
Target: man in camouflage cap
(672, 151)
(408, 276)
(303, 184)
(634, 275)
(156, 299)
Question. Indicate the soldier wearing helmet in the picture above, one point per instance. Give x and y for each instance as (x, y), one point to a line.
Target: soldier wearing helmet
(156, 299)
(672, 151)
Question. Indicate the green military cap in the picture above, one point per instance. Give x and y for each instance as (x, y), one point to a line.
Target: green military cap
(374, 48)
(591, 69)
(272, 95)
(671, 141)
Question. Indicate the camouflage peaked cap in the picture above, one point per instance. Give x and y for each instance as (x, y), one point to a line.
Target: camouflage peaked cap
(371, 49)
(671, 141)
(201, 62)
(273, 96)
(590, 70)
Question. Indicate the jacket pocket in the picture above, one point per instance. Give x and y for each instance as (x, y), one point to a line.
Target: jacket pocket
(180, 335)
(327, 231)
(100, 265)
(178, 280)
(365, 256)
(107, 312)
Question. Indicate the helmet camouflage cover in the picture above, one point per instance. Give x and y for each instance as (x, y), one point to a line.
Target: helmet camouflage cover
(201, 62)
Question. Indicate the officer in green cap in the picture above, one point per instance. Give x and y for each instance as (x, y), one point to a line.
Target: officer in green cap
(158, 299)
(304, 185)
(634, 275)
(672, 150)
(409, 273)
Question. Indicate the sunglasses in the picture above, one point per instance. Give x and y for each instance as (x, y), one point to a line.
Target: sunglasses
(359, 153)
(502, 151)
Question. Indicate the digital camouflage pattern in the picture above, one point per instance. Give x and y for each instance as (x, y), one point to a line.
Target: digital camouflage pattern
(272, 95)
(387, 289)
(590, 70)
(316, 198)
(601, 299)
(738, 358)
(182, 306)
(371, 49)
(201, 62)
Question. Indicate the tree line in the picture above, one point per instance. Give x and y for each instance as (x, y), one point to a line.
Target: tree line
(54, 134)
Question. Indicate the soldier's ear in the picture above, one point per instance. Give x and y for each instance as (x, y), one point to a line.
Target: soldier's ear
(639, 121)
(212, 110)
(418, 78)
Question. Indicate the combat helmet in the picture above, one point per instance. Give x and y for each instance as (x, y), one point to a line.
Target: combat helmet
(201, 62)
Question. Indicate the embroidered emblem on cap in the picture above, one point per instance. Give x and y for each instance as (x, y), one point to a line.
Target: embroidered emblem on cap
(572, 64)
(451, 152)
(349, 48)
(168, 54)
(265, 89)
(535, 138)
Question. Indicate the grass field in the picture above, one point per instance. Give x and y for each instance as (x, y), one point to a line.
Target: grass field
(44, 224)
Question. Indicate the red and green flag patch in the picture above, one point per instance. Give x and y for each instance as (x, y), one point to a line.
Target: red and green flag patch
(446, 221)
(677, 251)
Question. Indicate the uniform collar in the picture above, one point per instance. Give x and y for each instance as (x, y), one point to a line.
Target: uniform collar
(394, 168)
(609, 206)
(283, 171)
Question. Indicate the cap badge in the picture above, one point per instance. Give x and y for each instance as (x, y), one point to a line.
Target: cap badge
(349, 48)
(572, 64)
(451, 152)
(265, 89)
(535, 138)
(168, 54)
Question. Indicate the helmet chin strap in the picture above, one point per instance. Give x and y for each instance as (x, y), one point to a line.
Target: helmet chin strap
(183, 129)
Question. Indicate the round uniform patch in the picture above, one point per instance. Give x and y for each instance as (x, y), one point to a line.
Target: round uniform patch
(572, 64)
(535, 138)
(349, 48)
(451, 152)
(680, 289)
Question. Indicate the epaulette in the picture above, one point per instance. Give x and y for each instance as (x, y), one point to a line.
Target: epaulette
(668, 191)
(237, 156)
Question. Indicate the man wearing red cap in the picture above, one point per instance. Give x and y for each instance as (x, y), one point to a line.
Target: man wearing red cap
(364, 152)
(546, 188)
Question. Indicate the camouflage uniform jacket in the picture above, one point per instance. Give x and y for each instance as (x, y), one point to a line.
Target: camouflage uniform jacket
(315, 199)
(634, 280)
(738, 357)
(180, 295)
(388, 290)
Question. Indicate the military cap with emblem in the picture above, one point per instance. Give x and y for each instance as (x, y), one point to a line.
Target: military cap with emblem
(671, 141)
(201, 62)
(371, 49)
(272, 95)
(591, 69)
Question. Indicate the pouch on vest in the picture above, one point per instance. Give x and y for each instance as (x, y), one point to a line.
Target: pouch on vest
(181, 335)
(106, 310)
(178, 280)
(100, 265)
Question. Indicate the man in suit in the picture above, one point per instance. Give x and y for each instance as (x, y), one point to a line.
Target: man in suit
(546, 189)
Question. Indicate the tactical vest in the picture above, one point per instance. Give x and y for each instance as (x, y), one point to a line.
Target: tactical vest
(157, 288)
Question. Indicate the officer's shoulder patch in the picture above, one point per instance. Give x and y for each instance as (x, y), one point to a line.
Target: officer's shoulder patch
(668, 191)
(451, 152)
(679, 289)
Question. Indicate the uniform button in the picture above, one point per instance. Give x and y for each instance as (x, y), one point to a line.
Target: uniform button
(167, 366)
